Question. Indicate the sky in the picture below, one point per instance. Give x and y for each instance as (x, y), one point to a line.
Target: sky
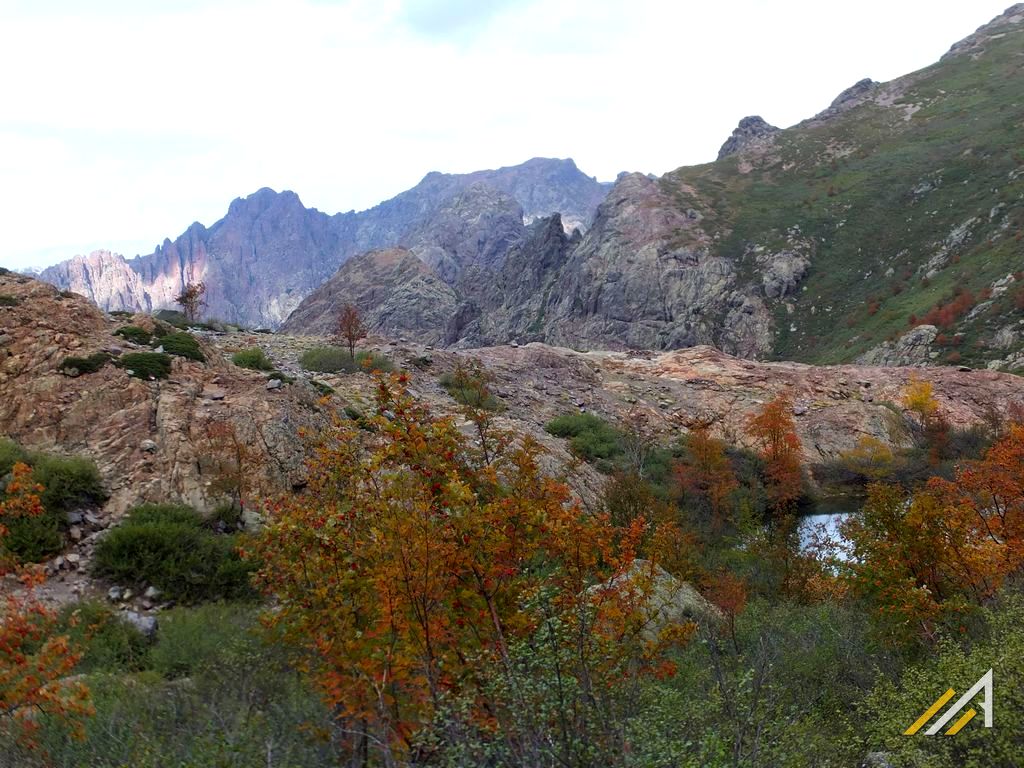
(123, 121)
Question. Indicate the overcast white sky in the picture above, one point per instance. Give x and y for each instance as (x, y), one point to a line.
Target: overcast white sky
(122, 121)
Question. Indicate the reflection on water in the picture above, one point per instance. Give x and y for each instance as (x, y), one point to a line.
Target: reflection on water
(826, 520)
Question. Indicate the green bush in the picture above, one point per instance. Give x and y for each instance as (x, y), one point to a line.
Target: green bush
(146, 365)
(163, 514)
(182, 344)
(226, 698)
(590, 436)
(9, 301)
(170, 548)
(68, 482)
(107, 642)
(121, 313)
(337, 360)
(89, 364)
(254, 358)
(134, 334)
(192, 640)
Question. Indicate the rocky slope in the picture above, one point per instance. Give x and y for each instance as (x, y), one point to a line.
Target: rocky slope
(898, 209)
(270, 251)
(148, 438)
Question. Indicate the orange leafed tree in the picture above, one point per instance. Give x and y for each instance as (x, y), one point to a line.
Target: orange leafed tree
(774, 432)
(407, 568)
(351, 328)
(34, 660)
(706, 478)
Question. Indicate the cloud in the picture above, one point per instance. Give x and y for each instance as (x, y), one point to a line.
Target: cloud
(452, 20)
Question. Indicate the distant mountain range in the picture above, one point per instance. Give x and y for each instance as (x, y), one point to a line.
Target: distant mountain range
(270, 251)
(888, 228)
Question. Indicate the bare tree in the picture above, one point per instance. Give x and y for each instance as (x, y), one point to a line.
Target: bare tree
(192, 300)
(351, 328)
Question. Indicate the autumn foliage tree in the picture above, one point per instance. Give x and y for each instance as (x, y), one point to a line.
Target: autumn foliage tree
(929, 428)
(413, 571)
(351, 328)
(192, 300)
(774, 433)
(34, 660)
(706, 479)
(931, 555)
(230, 462)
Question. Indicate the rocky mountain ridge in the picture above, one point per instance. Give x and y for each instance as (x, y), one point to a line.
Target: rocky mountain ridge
(270, 251)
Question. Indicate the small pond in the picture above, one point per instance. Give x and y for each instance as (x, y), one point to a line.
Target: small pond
(829, 513)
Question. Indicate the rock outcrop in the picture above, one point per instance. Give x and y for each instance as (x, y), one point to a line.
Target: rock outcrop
(912, 348)
(396, 294)
(751, 131)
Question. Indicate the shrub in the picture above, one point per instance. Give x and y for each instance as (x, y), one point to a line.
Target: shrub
(169, 548)
(89, 364)
(193, 639)
(146, 365)
(253, 358)
(242, 705)
(68, 482)
(469, 385)
(9, 301)
(134, 334)
(590, 436)
(338, 360)
(182, 344)
(108, 643)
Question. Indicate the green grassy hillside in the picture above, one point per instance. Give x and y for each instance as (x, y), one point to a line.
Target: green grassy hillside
(910, 205)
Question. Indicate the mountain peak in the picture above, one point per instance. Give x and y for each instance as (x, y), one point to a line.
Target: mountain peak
(751, 130)
(974, 43)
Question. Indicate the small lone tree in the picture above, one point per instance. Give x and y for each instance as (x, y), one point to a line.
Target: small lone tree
(192, 300)
(351, 328)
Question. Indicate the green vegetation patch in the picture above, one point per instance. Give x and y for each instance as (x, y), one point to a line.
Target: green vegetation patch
(81, 365)
(254, 358)
(134, 334)
(469, 388)
(182, 344)
(69, 482)
(7, 300)
(169, 547)
(146, 365)
(338, 360)
(590, 436)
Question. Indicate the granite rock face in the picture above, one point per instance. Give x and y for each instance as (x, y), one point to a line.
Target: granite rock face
(912, 348)
(396, 293)
(270, 251)
(644, 276)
